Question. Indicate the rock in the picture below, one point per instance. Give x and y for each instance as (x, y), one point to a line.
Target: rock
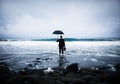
(117, 67)
(4, 70)
(87, 77)
(32, 79)
(49, 80)
(5, 73)
(38, 58)
(72, 76)
(3, 64)
(33, 71)
(46, 58)
(87, 72)
(35, 79)
(27, 82)
(30, 66)
(114, 77)
(73, 80)
(15, 80)
(73, 68)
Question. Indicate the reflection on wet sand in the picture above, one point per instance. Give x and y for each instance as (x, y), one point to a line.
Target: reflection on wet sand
(62, 61)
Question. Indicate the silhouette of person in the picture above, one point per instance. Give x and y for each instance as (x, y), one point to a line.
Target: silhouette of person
(61, 45)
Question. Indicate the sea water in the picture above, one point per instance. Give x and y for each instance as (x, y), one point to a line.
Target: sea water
(43, 54)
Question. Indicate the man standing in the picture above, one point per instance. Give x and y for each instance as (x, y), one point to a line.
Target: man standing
(61, 45)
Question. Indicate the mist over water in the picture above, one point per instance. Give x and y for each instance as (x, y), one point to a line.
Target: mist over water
(43, 54)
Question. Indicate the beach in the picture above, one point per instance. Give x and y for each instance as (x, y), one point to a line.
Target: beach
(36, 62)
(32, 47)
(72, 74)
(43, 54)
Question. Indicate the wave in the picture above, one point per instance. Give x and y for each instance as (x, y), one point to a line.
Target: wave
(66, 39)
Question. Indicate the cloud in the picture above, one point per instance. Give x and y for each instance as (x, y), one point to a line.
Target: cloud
(76, 18)
(28, 26)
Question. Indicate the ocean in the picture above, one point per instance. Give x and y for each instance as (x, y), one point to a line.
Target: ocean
(43, 53)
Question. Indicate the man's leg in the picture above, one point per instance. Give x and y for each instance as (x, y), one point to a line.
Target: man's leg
(62, 50)
(59, 50)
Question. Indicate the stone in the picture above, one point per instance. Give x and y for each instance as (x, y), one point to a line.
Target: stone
(87, 77)
(73, 80)
(73, 68)
(117, 67)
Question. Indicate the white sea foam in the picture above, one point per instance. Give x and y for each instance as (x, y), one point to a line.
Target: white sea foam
(44, 54)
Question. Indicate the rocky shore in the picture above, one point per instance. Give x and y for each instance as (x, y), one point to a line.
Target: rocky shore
(72, 74)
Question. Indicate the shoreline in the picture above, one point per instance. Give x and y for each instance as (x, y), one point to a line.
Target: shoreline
(72, 74)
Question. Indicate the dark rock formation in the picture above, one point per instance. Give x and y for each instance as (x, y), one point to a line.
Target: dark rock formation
(70, 75)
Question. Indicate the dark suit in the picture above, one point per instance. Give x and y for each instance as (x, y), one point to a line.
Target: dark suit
(61, 45)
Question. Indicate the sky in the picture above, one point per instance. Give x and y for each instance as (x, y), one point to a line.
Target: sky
(76, 18)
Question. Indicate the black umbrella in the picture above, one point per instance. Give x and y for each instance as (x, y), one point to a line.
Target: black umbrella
(58, 32)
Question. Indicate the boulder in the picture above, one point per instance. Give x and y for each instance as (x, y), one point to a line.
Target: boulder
(73, 68)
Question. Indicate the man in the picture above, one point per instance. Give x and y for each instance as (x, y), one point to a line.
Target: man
(61, 45)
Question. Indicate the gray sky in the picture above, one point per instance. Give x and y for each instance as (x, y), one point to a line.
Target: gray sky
(76, 18)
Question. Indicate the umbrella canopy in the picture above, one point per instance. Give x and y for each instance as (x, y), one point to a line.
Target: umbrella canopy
(57, 32)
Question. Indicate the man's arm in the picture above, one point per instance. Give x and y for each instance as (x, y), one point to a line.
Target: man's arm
(57, 40)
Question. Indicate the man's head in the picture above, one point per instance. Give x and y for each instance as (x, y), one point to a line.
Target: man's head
(61, 37)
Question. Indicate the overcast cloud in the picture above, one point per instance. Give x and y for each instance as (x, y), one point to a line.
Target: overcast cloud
(76, 18)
